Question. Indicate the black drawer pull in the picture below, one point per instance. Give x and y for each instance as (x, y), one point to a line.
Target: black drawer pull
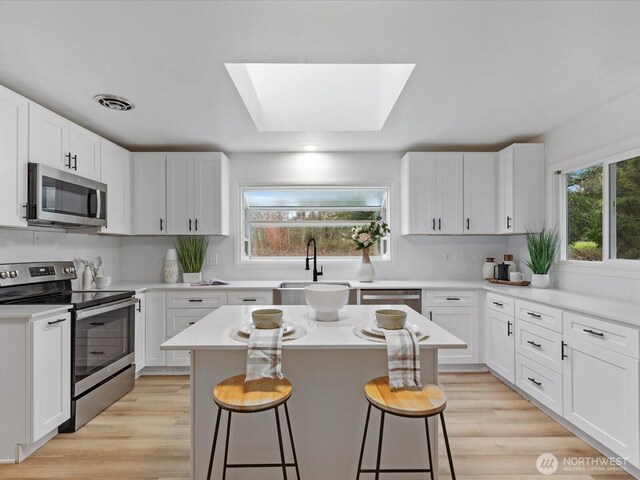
(453, 298)
(498, 304)
(509, 332)
(588, 330)
(433, 224)
(96, 353)
(535, 315)
(562, 354)
(56, 321)
(249, 300)
(531, 342)
(533, 380)
(192, 323)
(195, 300)
(97, 323)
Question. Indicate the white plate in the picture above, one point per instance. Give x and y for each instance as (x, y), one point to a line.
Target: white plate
(372, 329)
(289, 328)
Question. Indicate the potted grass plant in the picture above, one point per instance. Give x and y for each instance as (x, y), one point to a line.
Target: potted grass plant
(191, 252)
(543, 249)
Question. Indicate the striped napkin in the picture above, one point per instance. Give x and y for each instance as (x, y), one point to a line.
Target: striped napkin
(264, 355)
(403, 355)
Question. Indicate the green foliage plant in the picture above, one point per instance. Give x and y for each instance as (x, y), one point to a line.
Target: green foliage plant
(543, 249)
(191, 252)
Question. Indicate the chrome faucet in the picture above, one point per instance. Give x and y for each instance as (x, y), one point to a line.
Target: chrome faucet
(316, 274)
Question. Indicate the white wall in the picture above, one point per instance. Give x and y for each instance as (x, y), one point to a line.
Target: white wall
(413, 257)
(29, 246)
(611, 128)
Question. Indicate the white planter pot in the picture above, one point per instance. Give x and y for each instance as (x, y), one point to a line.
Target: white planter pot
(540, 281)
(192, 277)
(366, 272)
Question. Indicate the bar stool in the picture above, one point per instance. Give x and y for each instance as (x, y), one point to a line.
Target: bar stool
(425, 403)
(236, 396)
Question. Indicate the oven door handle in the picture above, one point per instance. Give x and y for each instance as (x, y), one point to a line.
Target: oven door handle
(92, 312)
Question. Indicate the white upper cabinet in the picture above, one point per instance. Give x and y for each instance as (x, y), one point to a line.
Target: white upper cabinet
(480, 171)
(197, 194)
(521, 188)
(116, 173)
(14, 128)
(149, 194)
(432, 193)
(59, 143)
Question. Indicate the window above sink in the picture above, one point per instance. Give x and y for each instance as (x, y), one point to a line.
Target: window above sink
(277, 222)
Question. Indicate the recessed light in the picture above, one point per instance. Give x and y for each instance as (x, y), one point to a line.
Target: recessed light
(310, 148)
(114, 102)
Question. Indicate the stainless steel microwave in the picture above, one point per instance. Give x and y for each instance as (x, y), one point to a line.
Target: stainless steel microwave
(59, 198)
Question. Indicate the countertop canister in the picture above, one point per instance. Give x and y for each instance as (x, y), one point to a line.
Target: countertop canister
(171, 267)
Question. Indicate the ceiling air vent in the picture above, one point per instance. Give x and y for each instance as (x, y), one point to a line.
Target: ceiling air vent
(114, 102)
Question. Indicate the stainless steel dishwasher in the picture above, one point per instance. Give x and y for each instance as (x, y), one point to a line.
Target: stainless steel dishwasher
(410, 298)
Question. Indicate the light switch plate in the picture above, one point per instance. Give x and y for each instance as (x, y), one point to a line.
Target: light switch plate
(211, 259)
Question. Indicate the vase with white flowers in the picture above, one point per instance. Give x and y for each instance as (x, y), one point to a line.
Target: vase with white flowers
(364, 237)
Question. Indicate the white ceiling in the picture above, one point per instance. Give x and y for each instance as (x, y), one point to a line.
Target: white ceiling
(487, 73)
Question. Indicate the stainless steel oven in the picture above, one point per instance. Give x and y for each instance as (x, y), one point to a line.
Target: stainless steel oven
(56, 197)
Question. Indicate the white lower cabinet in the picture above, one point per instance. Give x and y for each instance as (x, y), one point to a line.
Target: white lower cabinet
(140, 333)
(600, 389)
(250, 297)
(541, 383)
(155, 328)
(463, 323)
(179, 319)
(500, 344)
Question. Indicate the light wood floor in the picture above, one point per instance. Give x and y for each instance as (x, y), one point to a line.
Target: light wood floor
(495, 435)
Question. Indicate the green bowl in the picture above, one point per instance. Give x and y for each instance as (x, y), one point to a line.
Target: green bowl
(265, 318)
(391, 319)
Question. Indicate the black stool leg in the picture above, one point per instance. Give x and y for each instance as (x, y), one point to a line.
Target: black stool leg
(293, 445)
(446, 442)
(284, 466)
(213, 446)
(364, 439)
(380, 445)
(226, 447)
(426, 426)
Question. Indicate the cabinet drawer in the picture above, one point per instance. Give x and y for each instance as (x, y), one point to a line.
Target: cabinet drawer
(196, 299)
(538, 314)
(500, 303)
(539, 344)
(180, 319)
(250, 297)
(618, 338)
(541, 383)
(451, 298)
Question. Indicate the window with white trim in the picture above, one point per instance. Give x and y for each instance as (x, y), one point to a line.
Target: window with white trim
(279, 221)
(602, 210)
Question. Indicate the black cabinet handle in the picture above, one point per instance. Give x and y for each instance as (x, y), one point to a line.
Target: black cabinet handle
(96, 353)
(192, 323)
(588, 330)
(139, 302)
(509, 332)
(562, 354)
(533, 380)
(531, 342)
(249, 300)
(161, 225)
(196, 224)
(97, 324)
(189, 224)
(68, 156)
(430, 315)
(433, 224)
(508, 223)
(468, 224)
(498, 304)
(453, 298)
(60, 320)
(75, 162)
(439, 224)
(534, 315)
(195, 300)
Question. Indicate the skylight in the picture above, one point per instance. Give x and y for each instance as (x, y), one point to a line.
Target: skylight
(307, 97)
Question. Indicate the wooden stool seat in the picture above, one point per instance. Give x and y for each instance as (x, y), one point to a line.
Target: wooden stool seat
(429, 401)
(236, 395)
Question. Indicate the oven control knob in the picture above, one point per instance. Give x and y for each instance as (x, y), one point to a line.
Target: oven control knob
(3, 275)
(13, 274)
(66, 270)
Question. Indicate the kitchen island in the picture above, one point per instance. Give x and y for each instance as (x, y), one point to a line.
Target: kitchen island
(328, 368)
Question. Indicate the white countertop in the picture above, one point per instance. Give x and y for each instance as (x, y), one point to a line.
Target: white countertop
(213, 331)
(27, 312)
(607, 308)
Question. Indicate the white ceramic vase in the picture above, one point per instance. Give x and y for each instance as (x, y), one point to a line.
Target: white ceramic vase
(540, 281)
(171, 266)
(192, 277)
(366, 272)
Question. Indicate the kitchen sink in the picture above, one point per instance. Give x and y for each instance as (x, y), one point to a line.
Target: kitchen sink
(292, 293)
